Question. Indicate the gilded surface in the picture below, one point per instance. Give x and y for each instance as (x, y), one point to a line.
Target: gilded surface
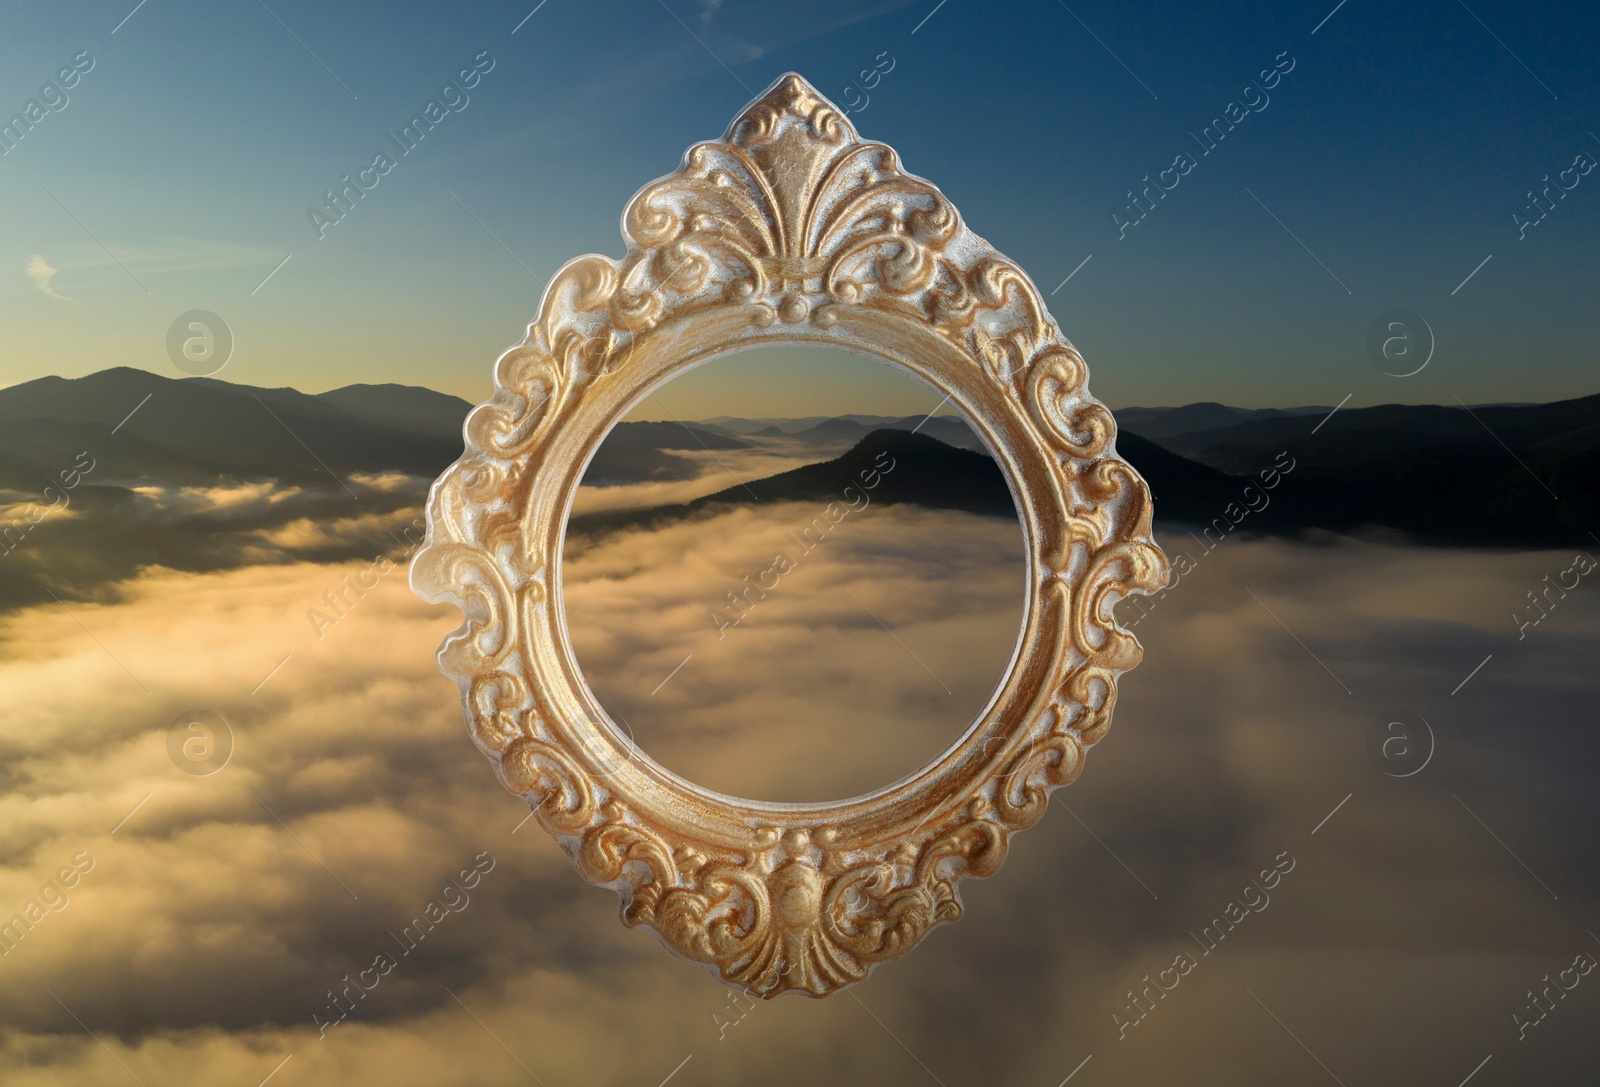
(790, 229)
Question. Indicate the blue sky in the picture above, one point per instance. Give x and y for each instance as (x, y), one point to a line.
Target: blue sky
(1385, 167)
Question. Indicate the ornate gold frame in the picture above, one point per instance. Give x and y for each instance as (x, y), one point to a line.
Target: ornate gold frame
(791, 229)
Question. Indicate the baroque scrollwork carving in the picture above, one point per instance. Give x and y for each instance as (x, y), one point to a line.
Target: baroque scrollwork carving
(789, 229)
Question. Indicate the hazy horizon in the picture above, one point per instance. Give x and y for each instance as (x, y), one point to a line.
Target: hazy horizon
(714, 388)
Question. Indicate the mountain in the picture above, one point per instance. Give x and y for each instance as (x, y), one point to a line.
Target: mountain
(950, 429)
(1159, 424)
(921, 470)
(198, 430)
(1355, 435)
(640, 452)
(201, 474)
(932, 473)
(1501, 475)
(102, 476)
(906, 468)
(733, 424)
(1184, 491)
(406, 407)
(833, 430)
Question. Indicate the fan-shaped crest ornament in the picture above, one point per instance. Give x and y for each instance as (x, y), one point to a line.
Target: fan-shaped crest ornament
(791, 229)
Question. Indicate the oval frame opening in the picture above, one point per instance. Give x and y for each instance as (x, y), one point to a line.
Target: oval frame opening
(603, 717)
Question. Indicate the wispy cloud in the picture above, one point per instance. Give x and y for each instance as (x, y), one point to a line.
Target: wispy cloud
(166, 255)
(41, 273)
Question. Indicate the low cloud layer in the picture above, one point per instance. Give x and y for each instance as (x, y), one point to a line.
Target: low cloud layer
(784, 678)
(705, 471)
(94, 538)
(223, 908)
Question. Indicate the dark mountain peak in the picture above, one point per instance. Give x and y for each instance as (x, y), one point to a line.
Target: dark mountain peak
(101, 381)
(410, 407)
(904, 442)
(910, 468)
(888, 467)
(640, 452)
(15, 397)
(387, 387)
(118, 374)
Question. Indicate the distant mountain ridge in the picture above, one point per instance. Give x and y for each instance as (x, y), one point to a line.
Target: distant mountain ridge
(735, 424)
(1503, 475)
(826, 429)
(644, 452)
(1563, 425)
(1506, 475)
(199, 430)
(901, 467)
(408, 407)
(1161, 423)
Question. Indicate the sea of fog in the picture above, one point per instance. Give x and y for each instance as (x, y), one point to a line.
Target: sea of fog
(1241, 887)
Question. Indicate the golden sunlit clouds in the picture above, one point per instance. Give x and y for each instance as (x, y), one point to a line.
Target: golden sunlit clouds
(227, 501)
(793, 673)
(208, 934)
(307, 534)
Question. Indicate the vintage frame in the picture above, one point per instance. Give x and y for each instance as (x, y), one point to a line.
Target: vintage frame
(791, 229)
